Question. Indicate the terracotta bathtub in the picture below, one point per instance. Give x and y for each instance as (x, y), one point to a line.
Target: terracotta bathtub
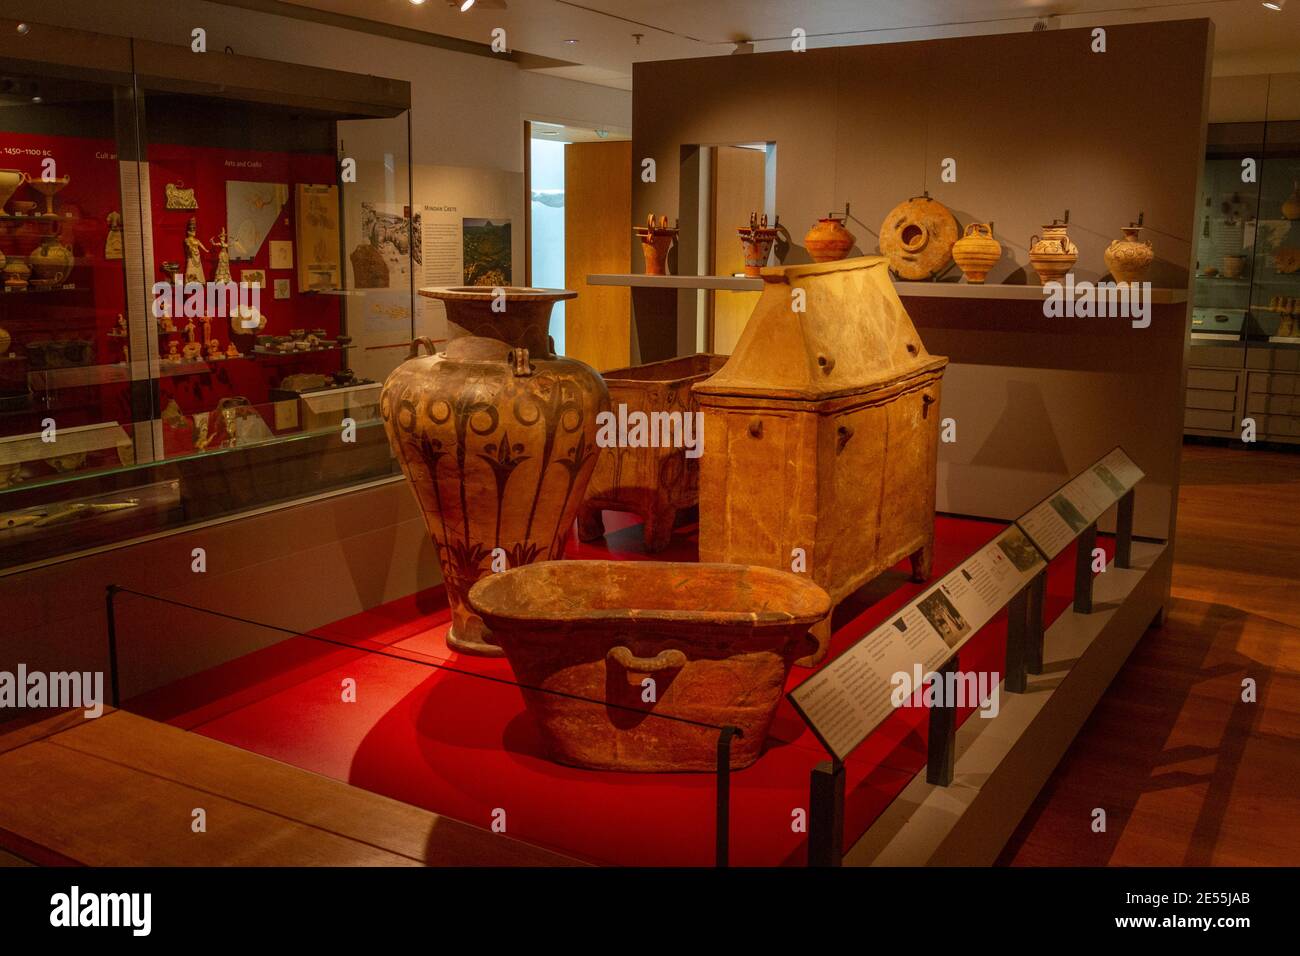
(716, 640)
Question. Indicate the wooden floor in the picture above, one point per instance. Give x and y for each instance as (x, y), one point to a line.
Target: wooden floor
(1187, 773)
(121, 791)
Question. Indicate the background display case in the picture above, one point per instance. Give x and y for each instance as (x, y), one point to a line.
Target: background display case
(127, 408)
(1245, 356)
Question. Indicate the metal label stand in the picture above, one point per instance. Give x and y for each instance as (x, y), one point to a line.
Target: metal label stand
(942, 744)
(826, 814)
(1083, 569)
(722, 851)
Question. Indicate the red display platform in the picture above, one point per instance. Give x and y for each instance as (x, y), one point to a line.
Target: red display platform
(465, 747)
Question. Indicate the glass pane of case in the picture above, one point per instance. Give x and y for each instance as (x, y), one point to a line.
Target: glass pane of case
(1276, 296)
(1226, 231)
(207, 327)
(67, 407)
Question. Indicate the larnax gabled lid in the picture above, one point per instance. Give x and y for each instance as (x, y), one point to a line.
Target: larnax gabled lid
(823, 330)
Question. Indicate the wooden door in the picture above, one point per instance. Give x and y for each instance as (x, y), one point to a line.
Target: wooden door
(598, 239)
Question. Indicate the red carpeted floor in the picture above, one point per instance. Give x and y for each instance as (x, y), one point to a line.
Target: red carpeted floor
(465, 747)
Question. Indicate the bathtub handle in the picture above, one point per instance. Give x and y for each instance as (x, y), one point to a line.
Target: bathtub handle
(666, 660)
(415, 347)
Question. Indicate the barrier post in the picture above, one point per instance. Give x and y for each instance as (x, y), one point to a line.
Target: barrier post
(826, 814)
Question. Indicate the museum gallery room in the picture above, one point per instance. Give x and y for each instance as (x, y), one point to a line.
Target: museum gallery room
(527, 433)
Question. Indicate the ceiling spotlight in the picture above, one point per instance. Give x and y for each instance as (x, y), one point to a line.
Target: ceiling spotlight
(465, 5)
(1275, 4)
(23, 29)
(417, 3)
(570, 41)
(37, 99)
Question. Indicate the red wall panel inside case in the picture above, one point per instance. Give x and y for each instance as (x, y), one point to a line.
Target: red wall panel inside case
(95, 293)
(206, 170)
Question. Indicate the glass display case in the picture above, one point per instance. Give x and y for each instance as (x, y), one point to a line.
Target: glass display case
(1244, 367)
(207, 275)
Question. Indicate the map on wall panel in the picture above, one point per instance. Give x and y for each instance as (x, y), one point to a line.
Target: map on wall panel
(1054, 523)
(251, 212)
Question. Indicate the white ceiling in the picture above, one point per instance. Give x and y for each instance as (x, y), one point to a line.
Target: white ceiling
(1249, 38)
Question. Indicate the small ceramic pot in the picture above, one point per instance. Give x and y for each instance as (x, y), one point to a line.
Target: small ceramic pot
(1128, 259)
(1291, 207)
(757, 239)
(1053, 253)
(828, 240)
(16, 274)
(976, 252)
(52, 262)
(584, 638)
(656, 240)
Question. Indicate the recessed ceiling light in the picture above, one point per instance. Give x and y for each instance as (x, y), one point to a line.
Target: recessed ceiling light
(570, 41)
(37, 99)
(23, 28)
(416, 3)
(465, 5)
(1275, 4)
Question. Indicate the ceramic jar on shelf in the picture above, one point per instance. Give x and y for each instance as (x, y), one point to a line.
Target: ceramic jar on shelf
(1291, 206)
(497, 438)
(51, 263)
(656, 240)
(757, 239)
(1053, 253)
(16, 273)
(828, 240)
(976, 252)
(1233, 266)
(1128, 259)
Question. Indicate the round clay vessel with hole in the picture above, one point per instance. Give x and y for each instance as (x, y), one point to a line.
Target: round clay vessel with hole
(496, 436)
(715, 642)
(917, 237)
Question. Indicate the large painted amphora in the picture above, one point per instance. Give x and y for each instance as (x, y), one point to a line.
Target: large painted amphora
(497, 438)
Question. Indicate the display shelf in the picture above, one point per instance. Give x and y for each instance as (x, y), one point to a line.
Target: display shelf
(76, 376)
(82, 375)
(719, 283)
(961, 290)
(66, 287)
(268, 353)
(79, 440)
(38, 217)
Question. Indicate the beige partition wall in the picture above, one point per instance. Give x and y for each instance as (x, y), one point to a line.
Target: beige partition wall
(597, 227)
(737, 179)
(1032, 125)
